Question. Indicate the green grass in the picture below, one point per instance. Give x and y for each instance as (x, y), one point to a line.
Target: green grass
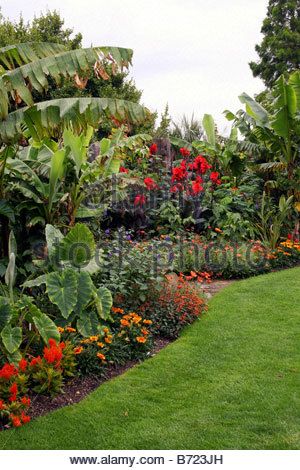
(230, 382)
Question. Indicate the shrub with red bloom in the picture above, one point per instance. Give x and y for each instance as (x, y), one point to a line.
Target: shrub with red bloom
(35, 361)
(197, 185)
(25, 401)
(124, 170)
(200, 165)
(2, 405)
(153, 149)
(150, 183)
(8, 371)
(16, 421)
(23, 365)
(53, 354)
(25, 418)
(289, 236)
(184, 152)
(215, 177)
(139, 200)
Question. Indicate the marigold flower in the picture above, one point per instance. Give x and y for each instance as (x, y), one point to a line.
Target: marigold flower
(141, 339)
(108, 339)
(136, 319)
(69, 329)
(60, 329)
(144, 331)
(106, 330)
(101, 356)
(93, 338)
(78, 350)
(147, 322)
(124, 322)
(100, 345)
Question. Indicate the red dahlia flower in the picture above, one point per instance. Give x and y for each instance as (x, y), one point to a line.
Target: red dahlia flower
(197, 186)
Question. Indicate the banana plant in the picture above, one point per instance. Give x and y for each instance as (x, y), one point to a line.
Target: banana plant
(71, 261)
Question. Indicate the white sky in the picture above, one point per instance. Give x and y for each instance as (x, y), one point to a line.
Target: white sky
(191, 54)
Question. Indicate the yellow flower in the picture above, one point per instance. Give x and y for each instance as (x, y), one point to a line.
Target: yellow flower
(106, 330)
(60, 330)
(147, 322)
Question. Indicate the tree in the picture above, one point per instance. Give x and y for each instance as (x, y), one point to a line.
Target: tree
(279, 51)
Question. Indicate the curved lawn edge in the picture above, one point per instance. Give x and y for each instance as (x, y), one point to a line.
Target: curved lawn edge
(229, 382)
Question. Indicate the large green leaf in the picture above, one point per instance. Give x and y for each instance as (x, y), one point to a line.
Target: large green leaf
(48, 117)
(210, 129)
(12, 338)
(57, 171)
(38, 281)
(53, 239)
(78, 246)
(103, 302)
(78, 145)
(84, 292)
(255, 110)
(46, 327)
(7, 210)
(34, 76)
(62, 290)
(5, 312)
(285, 105)
(15, 55)
(294, 82)
(88, 324)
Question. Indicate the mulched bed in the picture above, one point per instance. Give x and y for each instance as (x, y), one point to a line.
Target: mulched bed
(78, 388)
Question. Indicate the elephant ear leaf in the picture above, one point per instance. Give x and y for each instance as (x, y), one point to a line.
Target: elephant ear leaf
(53, 238)
(46, 327)
(103, 302)
(5, 312)
(85, 290)
(78, 247)
(62, 290)
(88, 324)
(12, 338)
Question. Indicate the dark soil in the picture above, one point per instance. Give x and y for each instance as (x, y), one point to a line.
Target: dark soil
(78, 388)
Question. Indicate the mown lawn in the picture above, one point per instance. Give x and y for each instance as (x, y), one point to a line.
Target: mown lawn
(230, 382)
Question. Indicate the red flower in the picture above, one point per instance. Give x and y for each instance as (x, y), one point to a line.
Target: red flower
(150, 183)
(25, 419)
(25, 401)
(52, 342)
(196, 185)
(22, 365)
(7, 371)
(200, 165)
(14, 389)
(2, 405)
(15, 421)
(123, 169)
(139, 200)
(184, 152)
(215, 177)
(289, 236)
(153, 149)
(62, 345)
(179, 173)
(53, 354)
(35, 361)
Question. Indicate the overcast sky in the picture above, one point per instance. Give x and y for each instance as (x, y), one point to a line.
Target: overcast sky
(191, 54)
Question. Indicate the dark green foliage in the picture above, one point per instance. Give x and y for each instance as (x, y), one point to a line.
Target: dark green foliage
(279, 51)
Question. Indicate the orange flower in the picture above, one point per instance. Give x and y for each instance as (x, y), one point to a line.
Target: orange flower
(100, 345)
(93, 338)
(141, 339)
(101, 356)
(147, 322)
(124, 322)
(70, 329)
(78, 350)
(136, 319)
(108, 339)
(117, 310)
(60, 330)
(106, 330)
(218, 230)
(144, 331)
